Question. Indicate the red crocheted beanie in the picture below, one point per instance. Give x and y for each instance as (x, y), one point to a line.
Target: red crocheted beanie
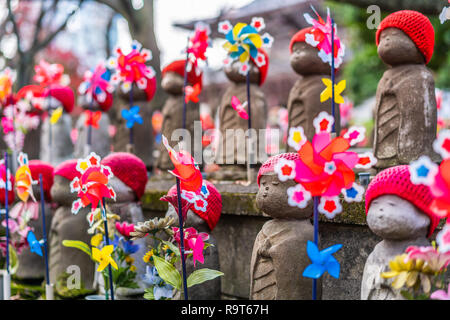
(129, 169)
(299, 37)
(62, 94)
(396, 181)
(67, 169)
(214, 208)
(264, 68)
(417, 26)
(178, 67)
(269, 165)
(40, 167)
(11, 193)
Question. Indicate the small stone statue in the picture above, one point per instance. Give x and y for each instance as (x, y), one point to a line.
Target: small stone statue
(304, 98)
(231, 154)
(130, 178)
(172, 82)
(31, 266)
(98, 122)
(58, 134)
(142, 133)
(203, 222)
(406, 115)
(399, 212)
(65, 261)
(279, 253)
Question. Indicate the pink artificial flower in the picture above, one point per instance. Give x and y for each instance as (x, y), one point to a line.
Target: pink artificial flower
(8, 125)
(441, 294)
(239, 107)
(193, 241)
(48, 74)
(197, 245)
(433, 258)
(125, 228)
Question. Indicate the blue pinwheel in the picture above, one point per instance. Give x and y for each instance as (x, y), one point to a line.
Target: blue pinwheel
(35, 245)
(322, 261)
(132, 116)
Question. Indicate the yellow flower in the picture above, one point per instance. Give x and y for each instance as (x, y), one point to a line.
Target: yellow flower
(104, 257)
(133, 268)
(147, 256)
(165, 247)
(56, 114)
(96, 240)
(129, 259)
(409, 272)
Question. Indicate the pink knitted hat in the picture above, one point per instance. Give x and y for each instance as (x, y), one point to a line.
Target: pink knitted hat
(67, 169)
(269, 165)
(40, 167)
(129, 169)
(396, 181)
(214, 208)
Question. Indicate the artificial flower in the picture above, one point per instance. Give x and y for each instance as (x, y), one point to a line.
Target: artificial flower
(298, 196)
(435, 260)
(285, 169)
(125, 228)
(49, 74)
(297, 137)
(7, 78)
(442, 144)
(96, 84)
(423, 171)
(409, 272)
(323, 123)
(192, 92)
(441, 294)
(355, 134)
(443, 239)
(92, 118)
(322, 261)
(24, 180)
(354, 193)
(330, 206)
(103, 257)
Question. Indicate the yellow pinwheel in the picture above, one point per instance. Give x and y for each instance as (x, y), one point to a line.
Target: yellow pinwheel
(103, 257)
(338, 89)
(56, 115)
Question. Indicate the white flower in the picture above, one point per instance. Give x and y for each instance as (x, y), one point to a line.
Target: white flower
(244, 68)
(323, 122)
(443, 239)
(329, 167)
(298, 196)
(355, 134)
(442, 144)
(260, 60)
(224, 27)
(423, 171)
(285, 169)
(267, 40)
(330, 206)
(258, 23)
(354, 193)
(297, 138)
(366, 160)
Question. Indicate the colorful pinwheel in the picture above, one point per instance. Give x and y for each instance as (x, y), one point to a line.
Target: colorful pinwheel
(24, 180)
(191, 93)
(322, 261)
(131, 68)
(49, 74)
(132, 116)
(243, 41)
(198, 44)
(7, 78)
(92, 187)
(328, 92)
(96, 84)
(185, 168)
(325, 167)
(320, 37)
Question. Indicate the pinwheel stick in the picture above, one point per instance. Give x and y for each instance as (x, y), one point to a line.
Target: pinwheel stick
(333, 81)
(180, 219)
(105, 223)
(131, 141)
(250, 144)
(89, 133)
(48, 287)
(185, 84)
(7, 276)
(316, 240)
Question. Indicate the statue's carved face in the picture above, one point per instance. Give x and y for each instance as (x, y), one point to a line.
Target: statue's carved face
(394, 218)
(60, 191)
(172, 83)
(232, 73)
(305, 60)
(272, 198)
(396, 48)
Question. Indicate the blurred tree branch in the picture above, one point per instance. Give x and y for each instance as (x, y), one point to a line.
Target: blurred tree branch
(428, 7)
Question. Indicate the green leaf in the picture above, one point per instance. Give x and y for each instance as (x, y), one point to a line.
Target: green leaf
(80, 245)
(202, 275)
(167, 272)
(172, 247)
(149, 294)
(407, 295)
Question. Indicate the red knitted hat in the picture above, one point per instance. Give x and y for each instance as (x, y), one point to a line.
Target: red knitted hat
(269, 165)
(107, 103)
(67, 169)
(214, 208)
(2, 190)
(39, 167)
(178, 67)
(129, 169)
(263, 69)
(150, 89)
(299, 37)
(396, 181)
(62, 94)
(415, 25)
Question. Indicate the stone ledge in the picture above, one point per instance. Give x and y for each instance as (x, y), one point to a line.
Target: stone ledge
(238, 199)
